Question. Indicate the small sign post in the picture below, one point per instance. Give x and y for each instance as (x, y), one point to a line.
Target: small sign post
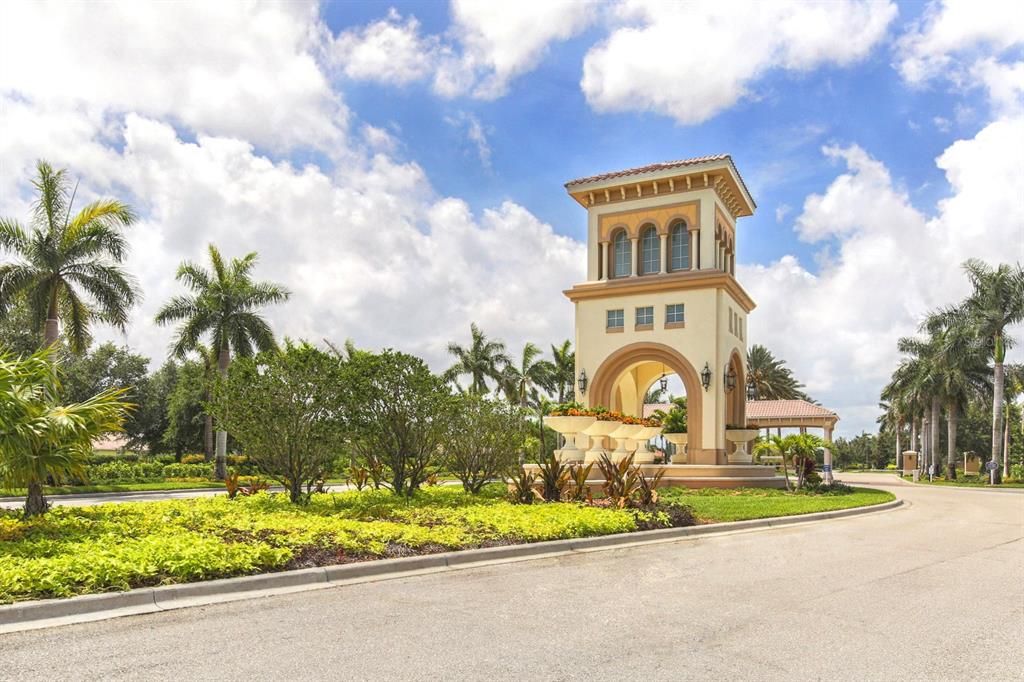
(992, 465)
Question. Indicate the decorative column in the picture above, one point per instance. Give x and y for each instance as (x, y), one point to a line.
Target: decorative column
(827, 473)
(665, 255)
(694, 244)
(604, 260)
(634, 254)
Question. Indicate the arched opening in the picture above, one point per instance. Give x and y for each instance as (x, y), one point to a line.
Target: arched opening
(679, 247)
(736, 397)
(650, 251)
(622, 255)
(623, 379)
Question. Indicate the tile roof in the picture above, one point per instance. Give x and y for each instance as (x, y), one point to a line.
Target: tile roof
(666, 165)
(786, 409)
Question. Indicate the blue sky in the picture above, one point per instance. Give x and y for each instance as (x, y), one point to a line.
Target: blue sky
(400, 166)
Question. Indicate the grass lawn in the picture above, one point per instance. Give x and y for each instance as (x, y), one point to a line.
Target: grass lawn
(968, 482)
(81, 550)
(714, 504)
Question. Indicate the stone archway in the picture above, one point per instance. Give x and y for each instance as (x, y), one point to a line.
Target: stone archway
(736, 399)
(604, 384)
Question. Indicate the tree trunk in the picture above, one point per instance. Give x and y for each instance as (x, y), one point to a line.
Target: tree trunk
(934, 445)
(899, 454)
(997, 409)
(1006, 442)
(208, 438)
(35, 503)
(51, 332)
(221, 466)
(951, 423)
(925, 433)
(913, 439)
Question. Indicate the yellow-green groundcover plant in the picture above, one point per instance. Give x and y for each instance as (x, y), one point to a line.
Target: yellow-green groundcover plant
(120, 546)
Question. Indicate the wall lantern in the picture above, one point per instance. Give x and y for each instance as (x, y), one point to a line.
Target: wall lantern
(751, 390)
(705, 376)
(730, 378)
(663, 381)
(582, 382)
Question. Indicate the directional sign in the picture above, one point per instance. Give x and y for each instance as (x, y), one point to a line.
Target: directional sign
(991, 465)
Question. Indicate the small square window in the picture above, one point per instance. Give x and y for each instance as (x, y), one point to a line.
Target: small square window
(674, 313)
(616, 319)
(645, 316)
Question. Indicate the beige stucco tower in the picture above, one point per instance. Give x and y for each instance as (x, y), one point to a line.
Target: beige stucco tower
(661, 294)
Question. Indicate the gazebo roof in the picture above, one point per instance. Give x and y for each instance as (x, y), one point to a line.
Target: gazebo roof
(788, 413)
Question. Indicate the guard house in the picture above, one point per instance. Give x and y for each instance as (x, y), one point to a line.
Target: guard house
(662, 297)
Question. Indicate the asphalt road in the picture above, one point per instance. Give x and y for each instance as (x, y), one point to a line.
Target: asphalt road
(933, 591)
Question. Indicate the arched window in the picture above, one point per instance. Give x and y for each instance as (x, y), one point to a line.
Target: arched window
(650, 251)
(679, 238)
(623, 252)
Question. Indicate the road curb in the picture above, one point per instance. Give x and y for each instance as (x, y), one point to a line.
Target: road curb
(34, 615)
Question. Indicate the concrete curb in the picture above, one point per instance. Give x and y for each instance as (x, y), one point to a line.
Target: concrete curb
(34, 615)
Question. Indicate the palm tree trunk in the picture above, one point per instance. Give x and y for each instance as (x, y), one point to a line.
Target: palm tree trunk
(899, 453)
(925, 432)
(997, 409)
(221, 466)
(913, 438)
(951, 423)
(52, 330)
(208, 437)
(35, 503)
(933, 446)
(1006, 443)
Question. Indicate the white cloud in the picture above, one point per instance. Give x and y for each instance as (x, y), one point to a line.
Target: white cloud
(499, 41)
(781, 211)
(962, 43)
(238, 68)
(390, 51)
(692, 60)
(953, 29)
(942, 124)
(475, 133)
(368, 248)
(893, 264)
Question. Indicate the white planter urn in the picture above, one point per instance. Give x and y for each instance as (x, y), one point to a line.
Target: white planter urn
(621, 435)
(599, 432)
(679, 440)
(740, 437)
(569, 427)
(644, 454)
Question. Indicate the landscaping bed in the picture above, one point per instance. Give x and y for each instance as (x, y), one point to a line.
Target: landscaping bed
(968, 482)
(82, 550)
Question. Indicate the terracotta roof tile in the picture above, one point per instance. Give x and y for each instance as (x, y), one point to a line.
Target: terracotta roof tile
(666, 165)
(786, 409)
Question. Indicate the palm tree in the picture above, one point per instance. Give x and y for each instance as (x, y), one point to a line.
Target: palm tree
(774, 381)
(563, 377)
(517, 382)
(961, 369)
(39, 437)
(223, 306)
(922, 376)
(893, 418)
(995, 304)
(774, 446)
(67, 266)
(483, 360)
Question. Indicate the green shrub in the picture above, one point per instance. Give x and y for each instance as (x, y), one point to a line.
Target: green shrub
(188, 471)
(118, 471)
(193, 459)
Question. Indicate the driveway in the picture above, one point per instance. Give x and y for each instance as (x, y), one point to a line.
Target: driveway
(932, 591)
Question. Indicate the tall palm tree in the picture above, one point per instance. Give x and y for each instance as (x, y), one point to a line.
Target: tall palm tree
(563, 378)
(774, 381)
(482, 360)
(67, 265)
(921, 375)
(995, 304)
(224, 306)
(518, 381)
(961, 368)
(893, 418)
